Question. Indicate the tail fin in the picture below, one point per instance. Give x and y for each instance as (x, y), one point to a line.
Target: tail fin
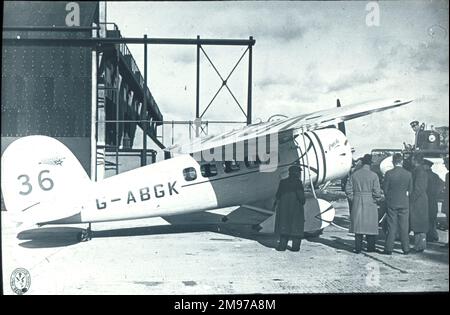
(37, 171)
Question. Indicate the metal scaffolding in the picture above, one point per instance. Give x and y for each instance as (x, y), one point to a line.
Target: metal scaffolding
(118, 44)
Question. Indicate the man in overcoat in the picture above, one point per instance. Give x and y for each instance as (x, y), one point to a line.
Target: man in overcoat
(434, 188)
(397, 186)
(290, 215)
(363, 189)
(418, 218)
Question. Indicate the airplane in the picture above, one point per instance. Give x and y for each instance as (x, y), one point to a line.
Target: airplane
(50, 186)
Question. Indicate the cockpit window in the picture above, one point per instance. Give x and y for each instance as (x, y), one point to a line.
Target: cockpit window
(189, 174)
(231, 166)
(208, 170)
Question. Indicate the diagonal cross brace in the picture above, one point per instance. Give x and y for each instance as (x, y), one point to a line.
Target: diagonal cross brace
(224, 81)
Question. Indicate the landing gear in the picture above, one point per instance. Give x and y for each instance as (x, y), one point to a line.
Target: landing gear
(85, 235)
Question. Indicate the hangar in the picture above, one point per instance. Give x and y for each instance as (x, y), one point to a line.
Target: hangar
(69, 91)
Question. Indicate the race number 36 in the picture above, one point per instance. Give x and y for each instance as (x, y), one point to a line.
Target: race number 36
(45, 183)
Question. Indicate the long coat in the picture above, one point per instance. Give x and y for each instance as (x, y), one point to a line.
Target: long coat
(434, 187)
(397, 186)
(290, 215)
(363, 188)
(418, 217)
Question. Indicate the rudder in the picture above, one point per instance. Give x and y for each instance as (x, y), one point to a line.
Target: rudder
(37, 169)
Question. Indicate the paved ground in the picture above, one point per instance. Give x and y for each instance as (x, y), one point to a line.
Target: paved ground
(198, 254)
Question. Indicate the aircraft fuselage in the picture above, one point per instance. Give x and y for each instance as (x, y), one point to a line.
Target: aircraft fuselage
(181, 185)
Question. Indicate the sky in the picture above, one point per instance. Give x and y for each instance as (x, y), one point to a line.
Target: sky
(307, 54)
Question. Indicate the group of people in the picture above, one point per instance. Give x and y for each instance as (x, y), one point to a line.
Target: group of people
(411, 205)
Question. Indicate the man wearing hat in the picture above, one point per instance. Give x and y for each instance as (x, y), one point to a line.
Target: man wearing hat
(434, 187)
(363, 189)
(397, 186)
(414, 125)
(419, 134)
(419, 204)
(290, 215)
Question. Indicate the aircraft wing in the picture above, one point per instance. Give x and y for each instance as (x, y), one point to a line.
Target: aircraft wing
(315, 120)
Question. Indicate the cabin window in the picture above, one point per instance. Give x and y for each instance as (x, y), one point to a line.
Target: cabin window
(189, 174)
(231, 166)
(208, 170)
(251, 163)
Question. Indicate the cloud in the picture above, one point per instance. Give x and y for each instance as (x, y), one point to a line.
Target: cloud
(270, 81)
(430, 56)
(282, 76)
(184, 57)
(424, 56)
(271, 24)
(299, 96)
(287, 32)
(354, 80)
(303, 88)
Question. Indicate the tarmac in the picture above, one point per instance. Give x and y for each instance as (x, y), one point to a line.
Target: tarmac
(200, 254)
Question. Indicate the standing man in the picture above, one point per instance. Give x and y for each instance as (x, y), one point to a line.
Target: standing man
(397, 186)
(363, 188)
(419, 204)
(416, 128)
(435, 185)
(420, 136)
(445, 203)
(356, 164)
(290, 215)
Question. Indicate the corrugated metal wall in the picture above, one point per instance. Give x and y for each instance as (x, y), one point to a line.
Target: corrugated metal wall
(47, 89)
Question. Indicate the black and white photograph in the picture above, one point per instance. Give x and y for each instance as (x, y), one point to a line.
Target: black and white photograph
(224, 148)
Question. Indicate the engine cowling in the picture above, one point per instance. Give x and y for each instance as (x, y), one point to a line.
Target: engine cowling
(326, 151)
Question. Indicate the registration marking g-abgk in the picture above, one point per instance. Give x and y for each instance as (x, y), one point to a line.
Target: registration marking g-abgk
(143, 194)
